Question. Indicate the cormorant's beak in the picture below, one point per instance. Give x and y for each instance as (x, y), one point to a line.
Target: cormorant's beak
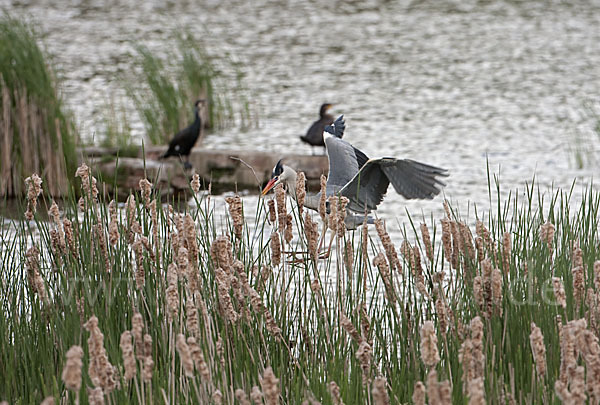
(270, 185)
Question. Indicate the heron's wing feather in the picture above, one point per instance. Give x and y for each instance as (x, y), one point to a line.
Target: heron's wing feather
(337, 128)
(343, 164)
(413, 179)
(366, 189)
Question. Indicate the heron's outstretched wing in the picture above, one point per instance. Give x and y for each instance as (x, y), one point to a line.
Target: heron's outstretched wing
(409, 178)
(412, 179)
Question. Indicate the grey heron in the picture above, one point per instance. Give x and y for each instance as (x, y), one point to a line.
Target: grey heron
(183, 142)
(314, 135)
(362, 180)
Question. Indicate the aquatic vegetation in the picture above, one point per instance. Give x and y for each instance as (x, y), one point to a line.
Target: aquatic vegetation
(142, 303)
(37, 134)
(165, 90)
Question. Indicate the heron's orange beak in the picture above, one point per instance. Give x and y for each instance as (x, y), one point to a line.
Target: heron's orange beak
(269, 185)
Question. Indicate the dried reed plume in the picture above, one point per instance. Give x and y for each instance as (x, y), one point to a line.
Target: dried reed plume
(70, 237)
(388, 246)
(578, 285)
(113, 225)
(224, 284)
(34, 189)
(538, 349)
(217, 397)
(275, 249)
(256, 395)
(547, 231)
(300, 191)
(323, 199)
(237, 215)
(427, 242)
(88, 183)
(281, 207)
(332, 218)
(441, 311)
(146, 189)
(185, 354)
(71, 374)
(341, 216)
(172, 292)
(101, 372)
(349, 328)
(447, 239)
(363, 354)
(384, 271)
(220, 251)
(241, 396)
(191, 317)
(195, 183)
(198, 358)
(101, 237)
(476, 392)
(336, 396)
(348, 258)
(54, 213)
(288, 235)
(457, 245)
(95, 396)
(418, 395)
(467, 240)
(484, 234)
(365, 322)
(32, 263)
(559, 292)
(312, 236)
(439, 393)
(429, 349)
(258, 306)
(597, 275)
(126, 345)
(140, 272)
(47, 401)
(270, 387)
(380, 395)
(272, 213)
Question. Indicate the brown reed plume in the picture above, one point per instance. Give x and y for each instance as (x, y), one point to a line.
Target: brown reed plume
(146, 189)
(270, 387)
(185, 355)
(198, 358)
(429, 349)
(95, 396)
(536, 339)
(323, 199)
(226, 305)
(438, 393)
(380, 395)
(195, 183)
(272, 212)
(88, 184)
(547, 232)
(384, 271)
(256, 396)
(300, 191)
(34, 189)
(418, 395)
(447, 239)
(129, 365)
(349, 328)
(281, 206)
(312, 236)
(364, 354)
(334, 391)
(59, 245)
(172, 292)
(101, 372)
(427, 242)
(559, 292)
(71, 374)
(32, 263)
(237, 215)
(275, 249)
(113, 225)
(506, 252)
(388, 246)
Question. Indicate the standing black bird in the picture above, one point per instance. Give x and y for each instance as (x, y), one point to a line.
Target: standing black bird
(183, 142)
(314, 135)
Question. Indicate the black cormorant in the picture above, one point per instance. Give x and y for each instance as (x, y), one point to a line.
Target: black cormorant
(314, 135)
(183, 142)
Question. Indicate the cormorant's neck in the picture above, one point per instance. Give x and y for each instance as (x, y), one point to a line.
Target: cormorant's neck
(323, 112)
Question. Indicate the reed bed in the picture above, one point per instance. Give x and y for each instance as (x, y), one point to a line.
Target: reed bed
(167, 86)
(36, 135)
(145, 304)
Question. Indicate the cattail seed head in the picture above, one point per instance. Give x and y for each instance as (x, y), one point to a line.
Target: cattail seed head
(195, 183)
(388, 246)
(363, 354)
(429, 349)
(270, 387)
(281, 208)
(427, 241)
(547, 231)
(275, 249)
(272, 213)
(71, 374)
(237, 215)
(34, 189)
(418, 395)
(323, 199)
(538, 349)
(380, 395)
(32, 263)
(146, 188)
(128, 357)
(300, 191)
(186, 356)
(256, 395)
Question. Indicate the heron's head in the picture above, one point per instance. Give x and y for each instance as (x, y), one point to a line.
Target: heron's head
(280, 174)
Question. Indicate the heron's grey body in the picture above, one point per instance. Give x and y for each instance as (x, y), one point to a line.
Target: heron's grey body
(365, 181)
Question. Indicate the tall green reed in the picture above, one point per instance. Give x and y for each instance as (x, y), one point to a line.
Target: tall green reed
(313, 321)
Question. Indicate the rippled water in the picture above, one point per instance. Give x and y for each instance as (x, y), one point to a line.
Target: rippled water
(451, 83)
